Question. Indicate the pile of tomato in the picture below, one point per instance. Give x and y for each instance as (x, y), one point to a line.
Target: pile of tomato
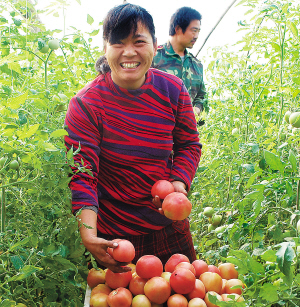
(150, 284)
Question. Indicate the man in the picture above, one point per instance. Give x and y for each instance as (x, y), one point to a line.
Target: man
(174, 58)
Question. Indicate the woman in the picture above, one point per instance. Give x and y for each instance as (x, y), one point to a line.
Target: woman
(134, 125)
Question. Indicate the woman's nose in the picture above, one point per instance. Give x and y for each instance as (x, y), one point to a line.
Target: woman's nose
(129, 50)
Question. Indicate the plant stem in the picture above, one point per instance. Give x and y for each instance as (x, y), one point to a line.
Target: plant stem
(2, 209)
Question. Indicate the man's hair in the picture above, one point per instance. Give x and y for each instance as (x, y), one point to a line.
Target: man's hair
(182, 18)
(122, 20)
(119, 23)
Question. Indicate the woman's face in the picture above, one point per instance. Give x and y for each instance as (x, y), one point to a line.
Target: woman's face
(130, 58)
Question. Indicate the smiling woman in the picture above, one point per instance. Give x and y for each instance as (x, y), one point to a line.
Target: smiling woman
(133, 125)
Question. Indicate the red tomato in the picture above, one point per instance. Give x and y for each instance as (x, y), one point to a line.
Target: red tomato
(136, 285)
(176, 206)
(198, 291)
(228, 271)
(99, 300)
(186, 265)
(232, 283)
(95, 277)
(177, 300)
(120, 297)
(149, 266)
(174, 260)
(101, 288)
(124, 252)
(117, 280)
(212, 281)
(182, 281)
(214, 269)
(162, 188)
(158, 290)
(197, 302)
(200, 267)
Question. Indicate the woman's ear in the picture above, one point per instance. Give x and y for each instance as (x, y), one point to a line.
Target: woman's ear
(155, 46)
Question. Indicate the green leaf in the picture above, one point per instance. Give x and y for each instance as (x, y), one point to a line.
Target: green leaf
(285, 256)
(50, 147)
(275, 46)
(293, 160)
(7, 303)
(26, 133)
(26, 271)
(268, 292)
(20, 243)
(273, 161)
(293, 28)
(14, 103)
(94, 33)
(90, 19)
(58, 133)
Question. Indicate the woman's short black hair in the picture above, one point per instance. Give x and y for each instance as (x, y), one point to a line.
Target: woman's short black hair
(182, 18)
(122, 20)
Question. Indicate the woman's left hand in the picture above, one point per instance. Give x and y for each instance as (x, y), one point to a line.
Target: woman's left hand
(179, 186)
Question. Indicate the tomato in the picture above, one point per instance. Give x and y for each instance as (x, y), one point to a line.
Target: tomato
(214, 269)
(287, 116)
(2, 161)
(198, 291)
(197, 302)
(211, 228)
(157, 289)
(208, 211)
(212, 281)
(140, 301)
(207, 301)
(17, 22)
(295, 119)
(44, 49)
(95, 277)
(53, 44)
(162, 188)
(166, 276)
(233, 283)
(120, 297)
(174, 260)
(186, 265)
(99, 300)
(182, 281)
(124, 252)
(177, 300)
(136, 285)
(149, 266)
(200, 267)
(216, 219)
(101, 288)
(228, 270)
(176, 206)
(14, 164)
(117, 280)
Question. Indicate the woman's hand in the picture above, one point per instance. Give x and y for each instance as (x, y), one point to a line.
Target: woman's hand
(98, 246)
(179, 186)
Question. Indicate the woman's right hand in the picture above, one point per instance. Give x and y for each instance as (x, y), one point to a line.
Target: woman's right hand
(98, 248)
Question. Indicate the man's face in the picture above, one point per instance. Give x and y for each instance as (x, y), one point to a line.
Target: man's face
(189, 37)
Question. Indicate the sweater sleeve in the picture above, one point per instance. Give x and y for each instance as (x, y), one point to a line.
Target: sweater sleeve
(187, 149)
(82, 125)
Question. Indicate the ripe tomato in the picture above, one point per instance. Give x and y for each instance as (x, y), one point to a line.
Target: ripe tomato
(177, 300)
(207, 301)
(101, 288)
(176, 206)
(214, 269)
(200, 267)
(186, 265)
(120, 297)
(117, 280)
(140, 301)
(198, 291)
(95, 277)
(182, 281)
(157, 289)
(99, 300)
(228, 271)
(212, 281)
(149, 266)
(136, 285)
(162, 188)
(233, 283)
(197, 302)
(174, 260)
(124, 252)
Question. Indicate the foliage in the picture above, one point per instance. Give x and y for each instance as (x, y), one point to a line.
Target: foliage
(249, 171)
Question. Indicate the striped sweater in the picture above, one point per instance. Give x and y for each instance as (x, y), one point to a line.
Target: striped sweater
(128, 140)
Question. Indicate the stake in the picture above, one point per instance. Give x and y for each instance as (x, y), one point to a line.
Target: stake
(212, 30)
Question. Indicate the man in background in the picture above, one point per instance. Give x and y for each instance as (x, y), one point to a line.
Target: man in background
(174, 58)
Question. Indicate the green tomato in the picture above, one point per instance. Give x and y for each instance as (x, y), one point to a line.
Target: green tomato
(216, 219)
(44, 49)
(220, 229)
(295, 119)
(211, 227)
(53, 44)
(287, 116)
(2, 161)
(208, 211)
(17, 22)
(14, 164)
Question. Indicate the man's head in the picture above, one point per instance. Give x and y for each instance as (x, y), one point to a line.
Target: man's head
(185, 23)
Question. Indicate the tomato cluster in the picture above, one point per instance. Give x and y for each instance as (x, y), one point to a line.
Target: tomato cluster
(177, 283)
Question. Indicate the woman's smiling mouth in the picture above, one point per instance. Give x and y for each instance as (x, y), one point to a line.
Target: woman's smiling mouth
(130, 65)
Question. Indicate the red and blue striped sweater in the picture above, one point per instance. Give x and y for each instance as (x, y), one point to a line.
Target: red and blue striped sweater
(129, 139)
